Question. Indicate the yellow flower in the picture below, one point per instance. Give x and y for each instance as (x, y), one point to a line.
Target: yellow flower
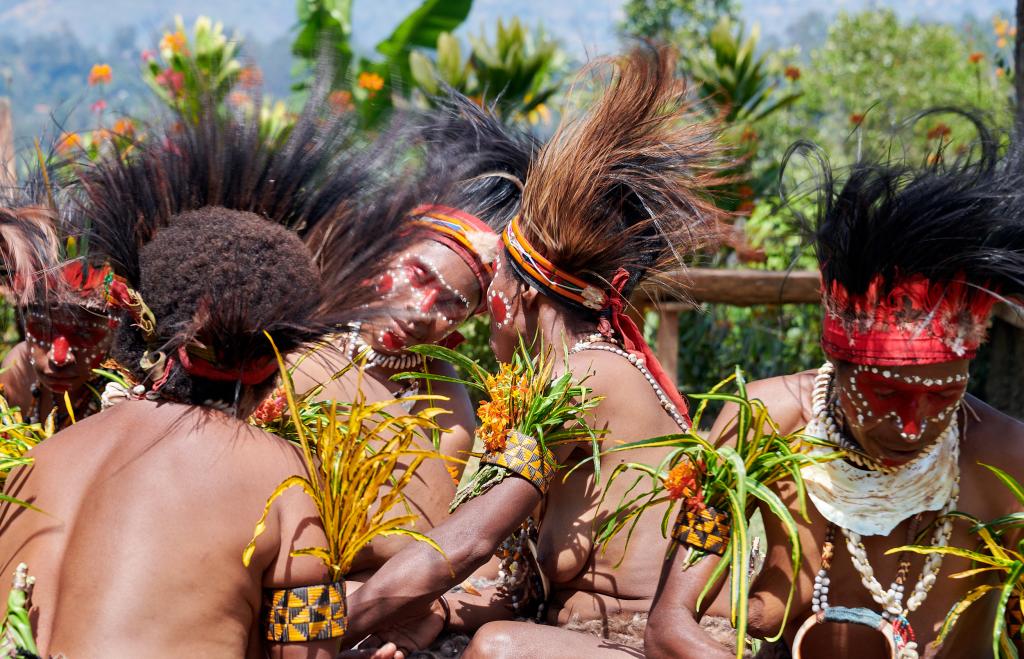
(371, 81)
(100, 74)
(173, 42)
(1001, 42)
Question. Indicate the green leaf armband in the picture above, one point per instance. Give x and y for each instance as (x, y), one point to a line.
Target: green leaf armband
(523, 455)
(706, 529)
(308, 613)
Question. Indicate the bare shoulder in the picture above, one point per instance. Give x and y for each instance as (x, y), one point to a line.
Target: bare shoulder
(993, 437)
(785, 396)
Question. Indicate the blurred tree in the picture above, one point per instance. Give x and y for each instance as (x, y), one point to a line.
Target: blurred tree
(683, 22)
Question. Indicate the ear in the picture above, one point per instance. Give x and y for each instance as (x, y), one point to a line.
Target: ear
(529, 299)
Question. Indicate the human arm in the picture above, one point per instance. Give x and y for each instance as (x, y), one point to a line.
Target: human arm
(419, 574)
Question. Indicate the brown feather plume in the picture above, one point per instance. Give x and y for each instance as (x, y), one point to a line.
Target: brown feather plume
(626, 185)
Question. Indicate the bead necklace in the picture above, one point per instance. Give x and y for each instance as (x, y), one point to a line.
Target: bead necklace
(591, 343)
(891, 600)
(402, 362)
(357, 346)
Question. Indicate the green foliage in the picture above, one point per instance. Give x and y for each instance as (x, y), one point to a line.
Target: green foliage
(735, 78)
(730, 478)
(516, 72)
(186, 72)
(367, 84)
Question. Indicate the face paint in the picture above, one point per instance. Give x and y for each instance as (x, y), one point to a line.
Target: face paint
(69, 336)
(428, 290)
(498, 305)
(59, 350)
(914, 403)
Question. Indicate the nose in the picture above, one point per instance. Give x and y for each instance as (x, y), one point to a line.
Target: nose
(909, 419)
(60, 352)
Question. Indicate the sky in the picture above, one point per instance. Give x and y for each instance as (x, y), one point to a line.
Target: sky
(584, 26)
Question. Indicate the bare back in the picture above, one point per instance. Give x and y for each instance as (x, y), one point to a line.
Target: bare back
(138, 553)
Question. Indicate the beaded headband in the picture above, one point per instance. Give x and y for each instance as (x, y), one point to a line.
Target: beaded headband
(466, 235)
(917, 321)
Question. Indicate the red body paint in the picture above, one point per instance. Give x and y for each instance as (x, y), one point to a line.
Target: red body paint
(60, 350)
(912, 403)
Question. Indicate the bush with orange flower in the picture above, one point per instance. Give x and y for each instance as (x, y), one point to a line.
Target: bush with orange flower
(523, 395)
(723, 477)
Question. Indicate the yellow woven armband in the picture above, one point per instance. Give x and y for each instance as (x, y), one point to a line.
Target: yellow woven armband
(707, 530)
(523, 455)
(308, 613)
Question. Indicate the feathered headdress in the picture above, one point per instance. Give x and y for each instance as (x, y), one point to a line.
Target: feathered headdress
(913, 259)
(202, 223)
(618, 196)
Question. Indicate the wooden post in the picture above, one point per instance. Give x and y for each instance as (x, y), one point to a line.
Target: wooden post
(8, 176)
(667, 343)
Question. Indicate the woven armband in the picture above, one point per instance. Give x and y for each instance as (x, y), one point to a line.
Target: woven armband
(707, 530)
(523, 455)
(1014, 618)
(309, 613)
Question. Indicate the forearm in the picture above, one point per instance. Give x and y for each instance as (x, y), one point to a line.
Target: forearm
(419, 574)
(673, 626)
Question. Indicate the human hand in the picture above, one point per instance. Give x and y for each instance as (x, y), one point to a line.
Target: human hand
(416, 633)
(386, 651)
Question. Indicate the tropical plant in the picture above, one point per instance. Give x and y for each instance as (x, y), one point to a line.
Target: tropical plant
(351, 452)
(516, 74)
(996, 555)
(17, 436)
(186, 73)
(16, 639)
(522, 396)
(685, 22)
(327, 25)
(735, 78)
(728, 478)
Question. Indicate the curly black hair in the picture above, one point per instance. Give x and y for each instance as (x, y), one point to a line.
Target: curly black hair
(261, 276)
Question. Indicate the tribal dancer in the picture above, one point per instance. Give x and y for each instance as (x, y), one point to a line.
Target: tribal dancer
(912, 262)
(433, 286)
(614, 199)
(149, 504)
(68, 325)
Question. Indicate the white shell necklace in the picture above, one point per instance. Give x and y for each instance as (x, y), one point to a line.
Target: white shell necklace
(890, 600)
(402, 362)
(592, 343)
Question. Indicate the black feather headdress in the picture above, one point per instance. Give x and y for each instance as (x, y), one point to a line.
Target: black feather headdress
(913, 258)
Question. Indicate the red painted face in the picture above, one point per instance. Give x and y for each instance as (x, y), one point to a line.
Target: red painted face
(910, 404)
(895, 412)
(66, 343)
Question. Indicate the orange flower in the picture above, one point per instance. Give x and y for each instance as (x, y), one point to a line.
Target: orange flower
(681, 481)
(1000, 72)
(975, 57)
(174, 42)
(939, 131)
(745, 192)
(250, 77)
(100, 74)
(239, 99)
(453, 471)
(341, 101)
(746, 207)
(69, 141)
(748, 135)
(124, 127)
(271, 408)
(1001, 42)
(793, 73)
(371, 81)
(494, 424)
(856, 118)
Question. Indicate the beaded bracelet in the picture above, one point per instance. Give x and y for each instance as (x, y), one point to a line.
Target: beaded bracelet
(523, 455)
(307, 613)
(706, 529)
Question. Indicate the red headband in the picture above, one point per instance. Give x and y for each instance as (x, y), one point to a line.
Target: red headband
(917, 322)
(460, 232)
(567, 286)
(250, 373)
